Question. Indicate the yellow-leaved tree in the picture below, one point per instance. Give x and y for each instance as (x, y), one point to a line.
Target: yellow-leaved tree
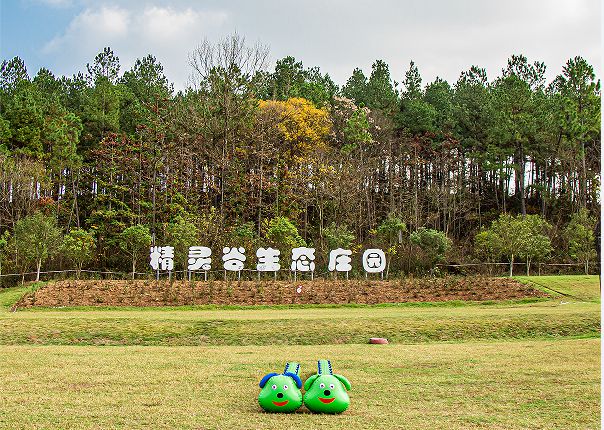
(303, 126)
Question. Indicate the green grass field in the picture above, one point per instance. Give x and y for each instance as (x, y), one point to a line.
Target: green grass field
(512, 365)
(576, 287)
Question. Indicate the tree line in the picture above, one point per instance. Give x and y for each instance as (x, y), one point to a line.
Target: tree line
(114, 162)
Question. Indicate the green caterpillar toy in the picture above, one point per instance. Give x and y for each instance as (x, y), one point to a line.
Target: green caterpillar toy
(281, 392)
(326, 392)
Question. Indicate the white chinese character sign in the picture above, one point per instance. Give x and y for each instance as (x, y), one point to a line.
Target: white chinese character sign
(200, 258)
(155, 255)
(339, 260)
(162, 257)
(233, 258)
(268, 260)
(374, 261)
(303, 259)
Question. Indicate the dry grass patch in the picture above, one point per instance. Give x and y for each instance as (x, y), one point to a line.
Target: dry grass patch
(510, 385)
(72, 293)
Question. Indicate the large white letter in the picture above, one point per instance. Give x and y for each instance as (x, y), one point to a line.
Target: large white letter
(268, 260)
(374, 260)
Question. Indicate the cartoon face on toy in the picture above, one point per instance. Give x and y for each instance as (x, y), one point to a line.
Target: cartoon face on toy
(280, 393)
(327, 394)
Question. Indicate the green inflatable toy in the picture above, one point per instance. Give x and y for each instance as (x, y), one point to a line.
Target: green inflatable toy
(326, 392)
(281, 392)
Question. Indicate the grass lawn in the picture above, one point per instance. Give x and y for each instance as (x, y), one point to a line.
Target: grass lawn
(509, 385)
(582, 287)
(305, 326)
(505, 365)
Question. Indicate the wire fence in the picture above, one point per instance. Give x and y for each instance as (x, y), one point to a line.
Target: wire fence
(490, 269)
(244, 274)
(520, 268)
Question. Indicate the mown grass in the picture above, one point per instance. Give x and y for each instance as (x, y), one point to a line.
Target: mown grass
(300, 325)
(10, 296)
(198, 367)
(581, 287)
(511, 385)
(442, 304)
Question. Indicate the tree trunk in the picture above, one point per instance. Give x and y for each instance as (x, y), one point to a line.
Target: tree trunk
(388, 259)
(260, 198)
(39, 265)
(512, 266)
(153, 195)
(544, 189)
(521, 182)
(583, 180)
(133, 267)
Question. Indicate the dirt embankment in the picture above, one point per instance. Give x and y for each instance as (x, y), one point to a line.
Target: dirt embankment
(178, 293)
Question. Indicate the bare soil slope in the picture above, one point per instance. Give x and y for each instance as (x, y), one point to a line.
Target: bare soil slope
(178, 293)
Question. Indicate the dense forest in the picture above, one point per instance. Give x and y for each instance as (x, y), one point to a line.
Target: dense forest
(104, 163)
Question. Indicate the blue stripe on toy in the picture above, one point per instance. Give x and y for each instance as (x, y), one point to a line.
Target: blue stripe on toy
(324, 367)
(292, 367)
(295, 377)
(265, 379)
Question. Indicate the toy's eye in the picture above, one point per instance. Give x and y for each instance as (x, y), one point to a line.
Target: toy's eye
(274, 387)
(285, 387)
(331, 386)
(322, 385)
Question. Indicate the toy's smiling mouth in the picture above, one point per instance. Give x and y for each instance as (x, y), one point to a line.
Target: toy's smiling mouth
(283, 403)
(324, 400)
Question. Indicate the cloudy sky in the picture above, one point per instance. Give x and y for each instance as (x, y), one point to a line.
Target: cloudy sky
(443, 37)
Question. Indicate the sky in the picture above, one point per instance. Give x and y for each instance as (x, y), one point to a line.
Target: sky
(442, 37)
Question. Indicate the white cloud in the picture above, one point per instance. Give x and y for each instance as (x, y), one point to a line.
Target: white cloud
(443, 38)
(165, 32)
(110, 24)
(164, 26)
